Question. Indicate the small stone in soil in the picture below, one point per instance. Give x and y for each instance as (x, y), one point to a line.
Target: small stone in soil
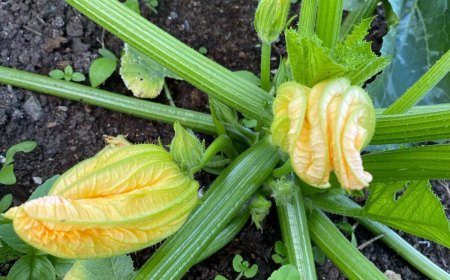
(37, 180)
(33, 108)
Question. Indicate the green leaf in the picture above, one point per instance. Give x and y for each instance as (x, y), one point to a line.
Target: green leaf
(251, 271)
(68, 71)
(310, 61)
(78, 77)
(7, 253)
(57, 74)
(7, 176)
(43, 189)
(141, 74)
(356, 54)
(319, 255)
(237, 263)
(411, 207)
(353, 58)
(101, 69)
(133, 5)
(353, 5)
(220, 277)
(279, 248)
(62, 266)
(286, 272)
(9, 236)
(5, 202)
(25, 147)
(107, 54)
(115, 268)
(32, 268)
(415, 43)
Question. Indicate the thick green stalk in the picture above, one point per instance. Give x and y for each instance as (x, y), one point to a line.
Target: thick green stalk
(392, 239)
(266, 50)
(308, 13)
(225, 236)
(295, 233)
(417, 91)
(187, 63)
(417, 163)
(354, 17)
(423, 123)
(329, 19)
(412, 127)
(120, 103)
(340, 251)
(226, 195)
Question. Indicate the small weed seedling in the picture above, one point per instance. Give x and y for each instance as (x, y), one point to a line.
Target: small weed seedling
(103, 67)
(67, 75)
(280, 253)
(7, 176)
(242, 267)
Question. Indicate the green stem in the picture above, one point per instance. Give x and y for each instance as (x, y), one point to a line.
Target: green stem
(329, 17)
(168, 95)
(415, 93)
(225, 236)
(339, 250)
(308, 13)
(354, 17)
(227, 194)
(294, 230)
(179, 58)
(221, 143)
(239, 276)
(220, 128)
(136, 107)
(266, 50)
(283, 170)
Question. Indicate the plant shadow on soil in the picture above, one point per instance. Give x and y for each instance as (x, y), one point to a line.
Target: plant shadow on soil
(41, 35)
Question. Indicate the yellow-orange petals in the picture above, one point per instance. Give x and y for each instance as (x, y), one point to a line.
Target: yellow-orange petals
(123, 199)
(339, 121)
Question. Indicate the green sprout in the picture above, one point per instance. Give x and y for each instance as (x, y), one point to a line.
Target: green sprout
(67, 75)
(242, 267)
(103, 67)
(7, 176)
(280, 253)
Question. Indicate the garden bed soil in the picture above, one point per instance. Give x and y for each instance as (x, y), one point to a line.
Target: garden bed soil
(41, 35)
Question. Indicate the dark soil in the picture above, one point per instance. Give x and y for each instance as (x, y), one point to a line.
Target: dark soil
(41, 35)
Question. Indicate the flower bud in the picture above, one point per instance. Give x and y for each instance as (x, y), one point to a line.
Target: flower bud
(123, 199)
(270, 19)
(186, 149)
(339, 122)
(259, 209)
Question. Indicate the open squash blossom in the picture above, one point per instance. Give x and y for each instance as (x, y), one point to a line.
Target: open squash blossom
(324, 129)
(125, 198)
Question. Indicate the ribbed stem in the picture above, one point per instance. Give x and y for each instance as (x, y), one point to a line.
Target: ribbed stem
(120, 103)
(295, 233)
(308, 13)
(417, 91)
(190, 65)
(226, 195)
(329, 19)
(354, 17)
(339, 250)
(225, 236)
(266, 50)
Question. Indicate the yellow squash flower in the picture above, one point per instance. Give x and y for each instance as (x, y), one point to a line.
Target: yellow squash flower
(324, 129)
(125, 198)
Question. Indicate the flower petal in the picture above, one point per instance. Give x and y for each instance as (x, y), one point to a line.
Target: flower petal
(289, 109)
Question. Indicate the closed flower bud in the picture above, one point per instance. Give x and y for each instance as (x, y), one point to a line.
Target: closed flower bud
(259, 209)
(270, 19)
(123, 199)
(186, 149)
(338, 123)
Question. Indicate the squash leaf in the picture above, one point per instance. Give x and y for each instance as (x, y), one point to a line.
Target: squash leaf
(419, 39)
(142, 75)
(115, 268)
